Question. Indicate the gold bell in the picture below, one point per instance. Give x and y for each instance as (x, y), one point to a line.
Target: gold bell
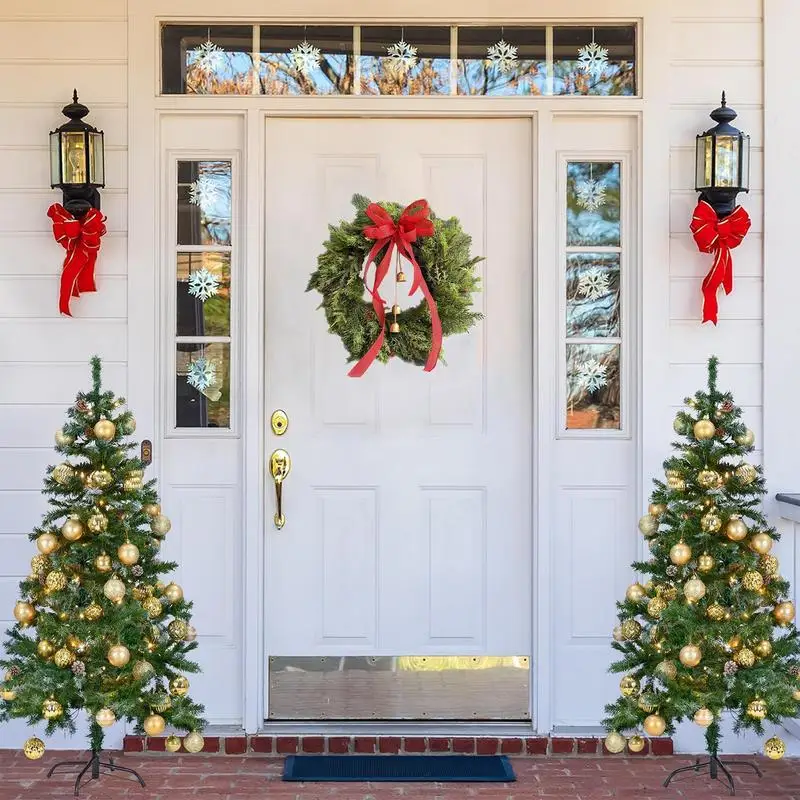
(401, 277)
(394, 327)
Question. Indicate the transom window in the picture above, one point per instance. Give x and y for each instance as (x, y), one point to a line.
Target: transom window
(509, 60)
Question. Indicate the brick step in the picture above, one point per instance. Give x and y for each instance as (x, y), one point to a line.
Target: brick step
(262, 744)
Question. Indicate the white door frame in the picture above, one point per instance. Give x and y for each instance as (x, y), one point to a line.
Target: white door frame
(145, 352)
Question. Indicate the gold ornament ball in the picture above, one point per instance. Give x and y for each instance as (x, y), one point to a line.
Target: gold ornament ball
(796, 695)
(141, 669)
(694, 590)
(33, 748)
(161, 702)
(46, 543)
(93, 612)
(752, 581)
(680, 554)
(615, 742)
(45, 649)
(667, 669)
(172, 743)
(100, 478)
(105, 717)
(648, 702)
(160, 525)
(152, 509)
(784, 612)
(736, 530)
(154, 725)
(710, 522)
(745, 657)
(669, 593)
(616, 634)
(656, 607)
(757, 709)
(118, 655)
(715, 612)
(747, 439)
(132, 484)
(114, 589)
(63, 439)
(774, 748)
(72, 529)
(705, 563)
(7, 694)
(178, 629)
(55, 581)
(704, 429)
(63, 658)
(128, 554)
(676, 483)
(174, 593)
(763, 649)
(703, 717)
(769, 565)
(63, 473)
(746, 473)
(656, 509)
(635, 593)
(636, 744)
(735, 642)
(52, 709)
(631, 629)
(629, 686)
(74, 643)
(105, 429)
(193, 742)
(654, 725)
(153, 607)
(191, 634)
(179, 686)
(97, 522)
(761, 543)
(690, 655)
(24, 613)
(103, 563)
(648, 525)
(709, 479)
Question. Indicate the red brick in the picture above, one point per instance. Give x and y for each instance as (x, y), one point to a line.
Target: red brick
(536, 747)
(365, 744)
(339, 744)
(235, 745)
(211, 744)
(389, 744)
(414, 744)
(261, 744)
(438, 744)
(486, 747)
(286, 744)
(661, 747)
(313, 744)
(133, 744)
(587, 746)
(511, 746)
(155, 744)
(463, 745)
(561, 745)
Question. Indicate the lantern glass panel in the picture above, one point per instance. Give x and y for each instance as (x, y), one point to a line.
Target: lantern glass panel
(55, 159)
(703, 169)
(745, 184)
(726, 168)
(97, 169)
(73, 157)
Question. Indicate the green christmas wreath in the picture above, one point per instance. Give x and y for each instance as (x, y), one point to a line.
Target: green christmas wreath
(441, 250)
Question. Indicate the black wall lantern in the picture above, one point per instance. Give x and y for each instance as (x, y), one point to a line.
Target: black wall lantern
(723, 162)
(77, 160)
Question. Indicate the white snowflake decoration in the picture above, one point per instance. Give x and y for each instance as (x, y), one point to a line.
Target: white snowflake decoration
(591, 375)
(204, 192)
(593, 283)
(305, 57)
(402, 56)
(208, 58)
(591, 194)
(503, 56)
(593, 59)
(203, 284)
(202, 374)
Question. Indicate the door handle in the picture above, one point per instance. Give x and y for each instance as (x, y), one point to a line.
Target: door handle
(280, 464)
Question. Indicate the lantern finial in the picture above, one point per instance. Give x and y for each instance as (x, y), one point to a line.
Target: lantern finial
(724, 102)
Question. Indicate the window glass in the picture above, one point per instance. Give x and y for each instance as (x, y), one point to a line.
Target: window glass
(593, 204)
(204, 202)
(593, 298)
(593, 386)
(203, 294)
(203, 385)
(594, 61)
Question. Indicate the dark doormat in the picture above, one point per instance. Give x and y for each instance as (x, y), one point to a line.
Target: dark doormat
(453, 769)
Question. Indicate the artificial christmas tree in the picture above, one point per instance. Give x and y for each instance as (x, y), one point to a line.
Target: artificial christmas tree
(97, 630)
(711, 629)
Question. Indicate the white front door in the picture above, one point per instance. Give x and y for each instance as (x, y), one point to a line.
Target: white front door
(408, 534)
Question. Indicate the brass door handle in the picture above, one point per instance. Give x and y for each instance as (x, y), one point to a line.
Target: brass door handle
(280, 464)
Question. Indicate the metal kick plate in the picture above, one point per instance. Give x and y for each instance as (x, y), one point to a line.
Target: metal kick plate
(279, 422)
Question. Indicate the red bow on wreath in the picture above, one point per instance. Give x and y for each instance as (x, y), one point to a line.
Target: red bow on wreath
(718, 236)
(413, 223)
(81, 239)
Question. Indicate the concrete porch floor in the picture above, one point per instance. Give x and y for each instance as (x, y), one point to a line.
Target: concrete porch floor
(249, 777)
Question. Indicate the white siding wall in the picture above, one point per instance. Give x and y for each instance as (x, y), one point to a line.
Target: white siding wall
(46, 49)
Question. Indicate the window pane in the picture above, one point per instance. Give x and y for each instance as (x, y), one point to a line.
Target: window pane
(73, 157)
(97, 167)
(487, 67)
(593, 386)
(202, 59)
(597, 61)
(593, 307)
(326, 67)
(422, 65)
(727, 161)
(203, 294)
(593, 191)
(203, 385)
(204, 202)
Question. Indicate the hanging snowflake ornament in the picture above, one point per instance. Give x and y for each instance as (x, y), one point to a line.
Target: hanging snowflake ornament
(203, 284)
(591, 375)
(593, 283)
(204, 192)
(208, 57)
(591, 194)
(305, 57)
(502, 56)
(593, 59)
(401, 56)
(202, 374)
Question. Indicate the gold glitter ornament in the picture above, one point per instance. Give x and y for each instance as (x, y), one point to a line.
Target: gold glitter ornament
(709, 479)
(615, 742)
(631, 629)
(761, 543)
(705, 563)
(715, 612)
(63, 439)
(178, 630)
(45, 649)
(154, 725)
(769, 565)
(33, 748)
(703, 717)
(100, 478)
(24, 613)
(656, 509)
(105, 717)
(152, 509)
(103, 563)
(710, 522)
(656, 607)
(172, 743)
(635, 593)
(97, 522)
(141, 669)
(46, 543)
(648, 525)
(736, 530)
(132, 484)
(52, 709)
(752, 581)
(63, 473)
(7, 694)
(118, 655)
(746, 474)
(667, 669)
(93, 612)
(628, 686)
(160, 525)
(72, 529)
(690, 655)
(745, 657)
(153, 607)
(757, 709)
(193, 742)
(55, 581)
(763, 649)
(128, 554)
(114, 589)
(161, 702)
(174, 593)
(654, 725)
(784, 612)
(105, 429)
(796, 695)
(735, 642)
(636, 744)
(179, 686)
(774, 748)
(694, 590)
(39, 564)
(676, 483)
(648, 702)
(63, 658)
(668, 593)
(704, 429)
(680, 553)
(747, 439)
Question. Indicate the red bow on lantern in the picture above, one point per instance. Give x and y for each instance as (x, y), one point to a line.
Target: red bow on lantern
(81, 239)
(718, 236)
(412, 224)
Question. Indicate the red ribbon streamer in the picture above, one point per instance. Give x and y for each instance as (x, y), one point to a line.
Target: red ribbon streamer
(413, 223)
(718, 236)
(81, 239)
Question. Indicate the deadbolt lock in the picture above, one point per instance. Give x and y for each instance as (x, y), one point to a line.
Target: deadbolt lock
(279, 422)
